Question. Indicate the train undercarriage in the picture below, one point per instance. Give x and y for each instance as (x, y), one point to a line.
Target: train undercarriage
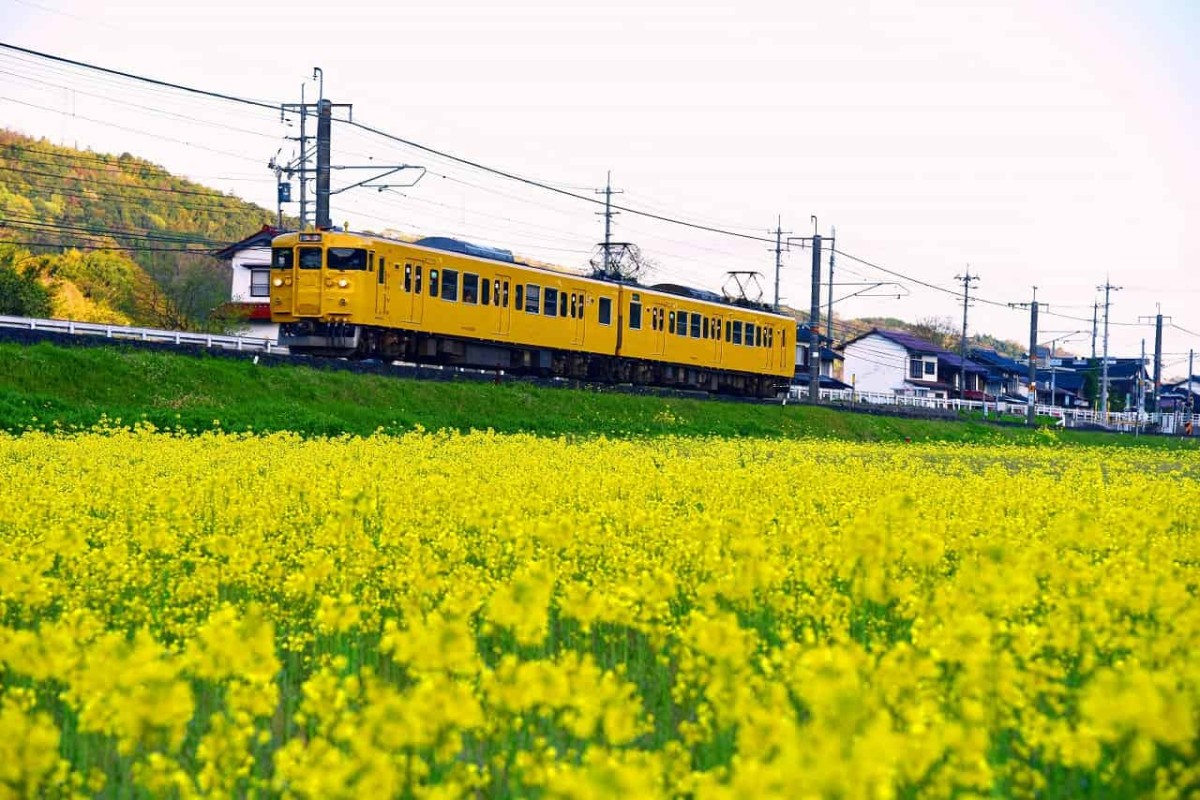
(341, 340)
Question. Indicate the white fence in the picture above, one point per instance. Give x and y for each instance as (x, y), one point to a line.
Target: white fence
(240, 343)
(1127, 421)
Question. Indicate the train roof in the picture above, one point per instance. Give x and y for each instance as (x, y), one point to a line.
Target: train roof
(467, 248)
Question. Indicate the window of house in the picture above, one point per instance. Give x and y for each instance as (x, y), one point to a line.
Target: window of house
(470, 288)
(915, 368)
(550, 302)
(930, 368)
(486, 295)
(260, 283)
(605, 311)
(346, 258)
(433, 283)
(533, 298)
(310, 257)
(635, 313)
(282, 258)
(737, 332)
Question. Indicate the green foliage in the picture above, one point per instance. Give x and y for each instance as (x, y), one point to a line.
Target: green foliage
(21, 295)
(88, 201)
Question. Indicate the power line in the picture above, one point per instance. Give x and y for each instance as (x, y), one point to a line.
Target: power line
(142, 78)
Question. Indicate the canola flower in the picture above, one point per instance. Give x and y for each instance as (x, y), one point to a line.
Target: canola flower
(444, 615)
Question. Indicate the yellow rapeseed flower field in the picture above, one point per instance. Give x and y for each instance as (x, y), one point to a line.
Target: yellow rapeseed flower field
(444, 615)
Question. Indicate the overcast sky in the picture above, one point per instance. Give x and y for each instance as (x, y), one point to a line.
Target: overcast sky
(1040, 143)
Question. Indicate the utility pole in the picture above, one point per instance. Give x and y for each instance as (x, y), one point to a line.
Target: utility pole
(966, 279)
(1158, 323)
(779, 234)
(1189, 383)
(814, 323)
(608, 213)
(1108, 288)
(1095, 308)
(1031, 407)
(829, 299)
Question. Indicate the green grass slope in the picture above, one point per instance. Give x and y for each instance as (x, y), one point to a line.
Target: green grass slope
(47, 386)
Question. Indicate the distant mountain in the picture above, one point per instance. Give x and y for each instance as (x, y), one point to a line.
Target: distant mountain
(115, 238)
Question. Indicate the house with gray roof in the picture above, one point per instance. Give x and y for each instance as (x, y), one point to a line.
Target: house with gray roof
(887, 361)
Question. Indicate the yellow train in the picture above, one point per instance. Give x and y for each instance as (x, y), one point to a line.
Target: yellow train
(446, 301)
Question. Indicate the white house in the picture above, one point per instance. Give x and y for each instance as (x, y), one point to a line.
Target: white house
(889, 362)
(250, 284)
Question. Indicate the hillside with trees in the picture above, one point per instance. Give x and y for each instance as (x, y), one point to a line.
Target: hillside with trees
(107, 238)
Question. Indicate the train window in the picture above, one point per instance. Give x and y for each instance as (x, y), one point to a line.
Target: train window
(346, 258)
(605, 311)
(671, 323)
(310, 258)
(408, 277)
(470, 288)
(505, 292)
(520, 298)
(282, 258)
(550, 302)
(696, 326)
(382, 272)
(562, 304)
(486, 294)
(635, 314)
(681, 324)
(758, 337)
(704, 330)
(737, 332)
(728, 331)
(450, 285)
(749, 334)
(433, 283)
(533, 297)
(418, 288)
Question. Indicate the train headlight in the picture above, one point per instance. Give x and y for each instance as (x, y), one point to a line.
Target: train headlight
(278, 281)
(343, 283)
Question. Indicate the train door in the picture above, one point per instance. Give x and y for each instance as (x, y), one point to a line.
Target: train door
(308, 281)
(580, 321)
(660, 333)
(416, 273)
(502, 302)
(381, 286)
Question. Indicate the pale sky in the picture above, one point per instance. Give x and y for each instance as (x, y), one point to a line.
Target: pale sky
(1040, 143)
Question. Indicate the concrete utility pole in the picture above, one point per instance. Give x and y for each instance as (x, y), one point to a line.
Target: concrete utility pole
(324, 120)
(1108, 288)
(829, 299)
(814, 324)
(608, 213)
(779, 234)
(1031, 407)
(1095, 309)
(1189, 382)
(966, 279)
(1158, 323)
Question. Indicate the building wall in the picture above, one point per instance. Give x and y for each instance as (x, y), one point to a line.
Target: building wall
(243, 265)
(875, 364)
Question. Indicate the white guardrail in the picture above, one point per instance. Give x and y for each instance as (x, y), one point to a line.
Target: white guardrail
(1127, 421)
(248, 344)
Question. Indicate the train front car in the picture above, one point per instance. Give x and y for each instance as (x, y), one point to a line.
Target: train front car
(317, 282)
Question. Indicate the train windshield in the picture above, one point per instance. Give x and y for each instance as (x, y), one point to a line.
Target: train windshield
(281, 258)
(310, 258)
(346, 258)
